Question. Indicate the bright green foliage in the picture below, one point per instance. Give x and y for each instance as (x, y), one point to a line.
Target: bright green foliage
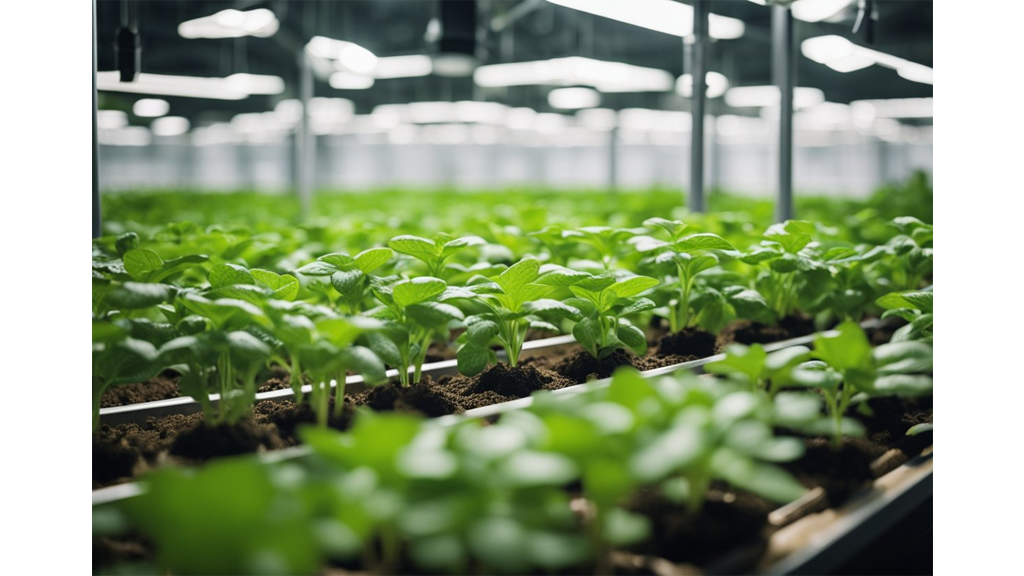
(849, 371)
(350, 276)
(786, 263)
(117, 358)
(515, 300)
(609, 242)
(761, 371)
(915, 307)
(605, 302)
(433, 252)
(415, 315)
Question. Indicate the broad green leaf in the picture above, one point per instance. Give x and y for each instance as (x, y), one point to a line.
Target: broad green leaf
(472, 359)
(594, 283)
(176, 265)
(140, 262)
(797, 407)
(416, 290)
(126, 242)
(532, 468)
(136, 295)
(588, 333)
(704, 241)
(903, 385)
(434, 314)
(633, 337)
(318, 268)
(547, 308)
(639, 305)
(481, 333)
(621, 527)
(786, 358)
(519, 275)
(740, 359)
(673, 227)
(415, 246)
(846, 349)
(920, 429)
(765, 480)
(903, 357)
(348, 283)
(363, 361)
(555, 275)
(667, 453)
(633, 286)
(370, 260)
(384, 346)
(228, 275)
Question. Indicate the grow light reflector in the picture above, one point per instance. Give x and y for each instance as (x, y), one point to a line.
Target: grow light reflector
(411, 66)
(667, 16)
(150, 107)
(762, 96)
(842, 55)
(348, 56)
(167, 85)
(575, 70)
(350, 81)
(573, 98)
(261, 23)
(169, 126)
(716, 82)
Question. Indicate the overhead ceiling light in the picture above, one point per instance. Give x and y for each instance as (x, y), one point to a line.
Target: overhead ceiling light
(261, 23)
(106, 119)
(666, 16)
(575, 70)
(716, 82)
(255, 83)
(150, 107)
(169, 126)
(762, 96)
(573, 98)
(842, 55)
(893, 108)
(818, 10)
(410, 66)
(166, 85)
(350, 81)
(349, 55)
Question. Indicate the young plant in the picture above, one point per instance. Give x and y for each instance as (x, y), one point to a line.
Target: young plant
(350, 276)
(117, 359)
(414, 317)
(515, 300)
(223, 359)
(848, 371)
(608, 242)
(784, 252)
(687, 256)
(433, 252)
(917, 308)
(759, 370)
(604, 303)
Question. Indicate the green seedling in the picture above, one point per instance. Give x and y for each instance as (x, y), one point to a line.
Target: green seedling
(351, 277)
(848, 371)
(118, 359)
(433, 252)
(605, 302)
(788, 261)
(608, 242)
(515, 301)
(414, 317)
(759, 370)
(915, 307)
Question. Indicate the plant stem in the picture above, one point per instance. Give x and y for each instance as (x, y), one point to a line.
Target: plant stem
(339, 394)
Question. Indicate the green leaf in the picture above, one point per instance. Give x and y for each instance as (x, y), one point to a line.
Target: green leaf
(527, 468)
(920, 429)
(594, 283)
(415, 246)
(385, 347)
(588, 333)
(633, 286)
(848, 348)
(481, 332)
(365, 362)
(140, 262)
(472, 359)
(622, 528)
(704, 241)
(903, 385)
(453, 246)
(434, 314)
(673, 227)
(740, 359)
(317, 268)
(903, 357)
(136, 295)
(370, 260)
(667, 453)
(639, 305)
(228, 275)
(348, 283)
(126, 242)
(555, 275)
(765, 480)
(552, 308)
(633, 337)
(416, 290)
(518, 275)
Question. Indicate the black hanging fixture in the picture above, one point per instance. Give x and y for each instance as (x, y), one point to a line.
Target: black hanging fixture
(454, 34)
(128, 47)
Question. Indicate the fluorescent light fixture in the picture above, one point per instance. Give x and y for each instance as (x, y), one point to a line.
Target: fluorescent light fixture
(348, 56)
(574, 71)
(260, 23)
(169, 126)
(255, 83)
(893, 108)
(127, 136)
(762, 96)
(411, 66)
(667, 16)
(107, 119)
(466, 111)
(573, 98)
(716, 82)
(150, 107)
(453, 64)
(166, 85)
(350, 81)
(842, 55)
(818, 10)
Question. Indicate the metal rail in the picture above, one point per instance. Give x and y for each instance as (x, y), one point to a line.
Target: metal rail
(697, 49)
(783, 55)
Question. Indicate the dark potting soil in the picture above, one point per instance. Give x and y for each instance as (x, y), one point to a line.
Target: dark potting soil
(581, 367)
(889, 419)
(687, 342)
(502, 383)
(839, 472)
(727, 522)
(160, 387)
(426, 397)
(747, 332)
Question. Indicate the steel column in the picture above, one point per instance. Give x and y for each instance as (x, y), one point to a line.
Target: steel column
(613, 158)
(783, 65)
(305, 140)
(96, 220)
(698, 61)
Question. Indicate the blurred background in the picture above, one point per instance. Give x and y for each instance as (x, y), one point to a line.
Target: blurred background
(490, 94)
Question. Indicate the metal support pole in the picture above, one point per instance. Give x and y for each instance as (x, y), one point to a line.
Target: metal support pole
(613, 159)
(305, 140)
(783, 65)
(96, 221)
(698, 71)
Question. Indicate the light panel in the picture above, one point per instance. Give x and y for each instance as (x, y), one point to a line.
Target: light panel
(666, 16)
(842, 55)
(261, 23)
(603, 75)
